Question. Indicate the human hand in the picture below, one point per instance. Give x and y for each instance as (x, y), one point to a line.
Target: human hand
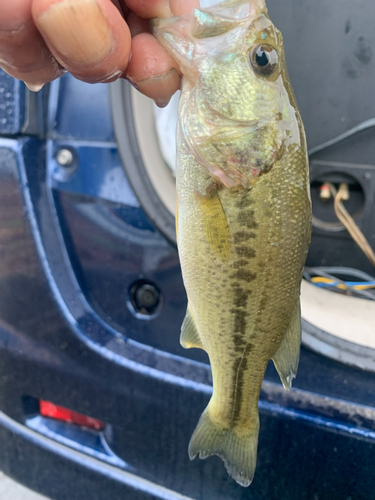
(95, 40)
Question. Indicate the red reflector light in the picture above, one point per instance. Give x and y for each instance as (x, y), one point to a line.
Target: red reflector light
(49, 410)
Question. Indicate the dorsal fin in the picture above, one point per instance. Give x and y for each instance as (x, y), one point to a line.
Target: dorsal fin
(189, 333)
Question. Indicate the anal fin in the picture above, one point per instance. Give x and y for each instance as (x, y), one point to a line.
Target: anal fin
(287, 357)
(189, 333)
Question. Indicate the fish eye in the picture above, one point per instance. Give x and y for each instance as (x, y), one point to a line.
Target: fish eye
(264, 59)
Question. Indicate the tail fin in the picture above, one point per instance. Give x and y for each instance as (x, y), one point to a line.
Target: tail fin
(236, 448)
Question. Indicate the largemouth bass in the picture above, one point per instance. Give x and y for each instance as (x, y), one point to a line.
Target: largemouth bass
(244, 215)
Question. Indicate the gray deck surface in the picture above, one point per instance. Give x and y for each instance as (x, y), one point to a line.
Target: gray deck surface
(10, 490)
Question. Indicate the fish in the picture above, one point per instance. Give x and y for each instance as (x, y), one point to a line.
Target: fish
(243, 217)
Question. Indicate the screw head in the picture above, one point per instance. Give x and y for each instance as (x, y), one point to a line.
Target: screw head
(367, 176)
(64, 157)
(145, 298)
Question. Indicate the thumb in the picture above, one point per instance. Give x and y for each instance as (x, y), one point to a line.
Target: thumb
(161, 8)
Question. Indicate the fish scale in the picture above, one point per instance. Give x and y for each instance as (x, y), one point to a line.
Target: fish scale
(244, 216)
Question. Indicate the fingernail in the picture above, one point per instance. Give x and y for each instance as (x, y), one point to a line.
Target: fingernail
(78, 30)
(165, 10)
(132, 82)
(162, 103)
(181, 7)
(111, 77)
(34, 87)
(160, 88)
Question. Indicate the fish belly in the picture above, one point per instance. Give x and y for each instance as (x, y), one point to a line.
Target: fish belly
(242, 252)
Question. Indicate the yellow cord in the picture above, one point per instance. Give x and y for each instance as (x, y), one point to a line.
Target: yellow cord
(348, 221)
(321, 279)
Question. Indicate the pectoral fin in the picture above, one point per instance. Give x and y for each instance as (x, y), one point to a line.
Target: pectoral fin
(287, 357)
(189, 333)
(215, 226)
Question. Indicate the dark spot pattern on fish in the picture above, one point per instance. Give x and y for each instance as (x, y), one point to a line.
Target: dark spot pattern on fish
(241, 263)
(238, 341)
(240, 321)
(247, 218)
(252, 224)
(244, 275)
(263, 301)
(243, 236)
(241, 297)
(235, 284)
(240, 367)
(239, 344)
(244, 202)
(247, 252)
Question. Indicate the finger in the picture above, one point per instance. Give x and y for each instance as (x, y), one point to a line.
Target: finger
(136, 24)
(181, 7)
(121, 7)
(161, 8)
(89, 38)
(23, 53)
(152, 70)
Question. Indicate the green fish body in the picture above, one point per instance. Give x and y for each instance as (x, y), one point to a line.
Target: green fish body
(244, 215)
